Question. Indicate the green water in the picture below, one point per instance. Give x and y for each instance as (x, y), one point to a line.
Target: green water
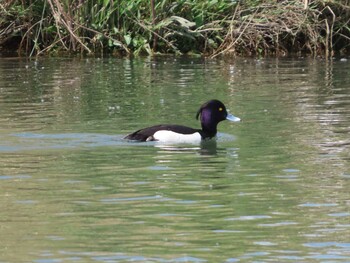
(273, 188)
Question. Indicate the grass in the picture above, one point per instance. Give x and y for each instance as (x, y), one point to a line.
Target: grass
(211, 27)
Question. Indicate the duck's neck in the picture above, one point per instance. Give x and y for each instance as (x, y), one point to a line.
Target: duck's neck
(208, 132)
(209, 125)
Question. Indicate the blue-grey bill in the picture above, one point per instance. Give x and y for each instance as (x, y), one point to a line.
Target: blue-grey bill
(230, 117)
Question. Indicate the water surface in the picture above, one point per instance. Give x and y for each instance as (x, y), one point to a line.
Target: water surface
(274, 187)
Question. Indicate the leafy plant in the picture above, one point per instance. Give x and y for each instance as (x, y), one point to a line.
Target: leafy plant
(210, 27)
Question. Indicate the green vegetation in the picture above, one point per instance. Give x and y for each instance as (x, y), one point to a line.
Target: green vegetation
(210, 27)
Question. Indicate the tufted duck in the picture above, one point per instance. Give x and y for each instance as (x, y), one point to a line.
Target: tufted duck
(211, 113)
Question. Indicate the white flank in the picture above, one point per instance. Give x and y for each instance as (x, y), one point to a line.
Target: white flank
(173, 137)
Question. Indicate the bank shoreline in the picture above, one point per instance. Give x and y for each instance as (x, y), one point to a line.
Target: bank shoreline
(147, 27)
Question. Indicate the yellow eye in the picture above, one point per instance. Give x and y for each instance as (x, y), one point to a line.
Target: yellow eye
(220, 109)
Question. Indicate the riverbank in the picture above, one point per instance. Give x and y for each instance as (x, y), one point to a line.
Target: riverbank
(210, 28)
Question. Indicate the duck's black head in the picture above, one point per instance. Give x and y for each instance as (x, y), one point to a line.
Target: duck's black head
(211, 113)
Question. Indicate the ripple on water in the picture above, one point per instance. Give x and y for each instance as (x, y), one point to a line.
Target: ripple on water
(37, 141)
(251, 217)
(341, 214)
(133, 199)
(318, 204)
(14, 177)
